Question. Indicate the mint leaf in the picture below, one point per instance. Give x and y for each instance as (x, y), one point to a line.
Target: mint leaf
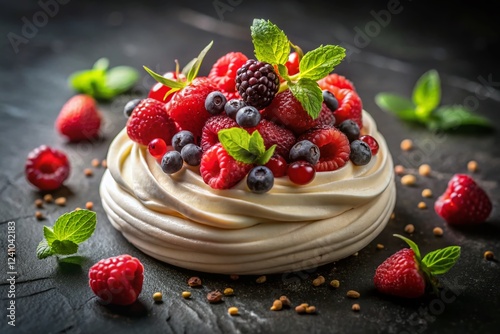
(193, 71)
(283, 72)
(64, 247)
(318, 63)
(49, 235)
(264, 158)
(440, 261)
(101, 64)
(452, 117)
(88, 81)
(270, 42)
(427, 93)
(76, 226)
(236, 142)
(398, 105)
(309, 95)
(43, 250)
(120, 79)
(412, 245)
(75, 259)
(164, 81)
(256, 144)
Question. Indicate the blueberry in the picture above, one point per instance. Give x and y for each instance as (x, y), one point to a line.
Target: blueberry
(181, 139)
(248, 117)
(191, 154)
(232, 106)
(260, 179)
(330, 100)
(305, 150)
(171, 162)
(215, 102)
(350, 129)
(361, 153)
(130, 106)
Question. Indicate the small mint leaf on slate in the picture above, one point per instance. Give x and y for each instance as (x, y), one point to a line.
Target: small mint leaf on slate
(120, 79)
(427, 94)
(318, 63)
(308, 93)
(64, 247)
(43, 250)
(101, 64)
(76, 226)
(440, 261)
(49, 235)
(270, 42)
(412, 245)
(397, 105)
(456, 116)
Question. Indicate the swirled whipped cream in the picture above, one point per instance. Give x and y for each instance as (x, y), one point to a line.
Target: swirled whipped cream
(181, 220)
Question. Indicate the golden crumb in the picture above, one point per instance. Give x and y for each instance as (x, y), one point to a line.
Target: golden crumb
(320, 280)
(335, 283)
(353, 294)
(228, 292)
(104, 163)
(424, 170)
(393, 215)
(39, 203)
(157, 297)
(311, 309)
(408, 180)
(285, 302)
(422, 205)
(410, 228)
(95, 163)
(186, 294)
(301, 308)
(61, 201)
(89, 205)
(277, 305)
(427, 193)
(380, 246)
(438, 231)
(356, 307)
(472, 166)
(488, 255)
(406, 144)
(88, 172)
(233, 310)
(48, 198)
(261, 279)
(399, 170)
(194, 281)
(39, 215)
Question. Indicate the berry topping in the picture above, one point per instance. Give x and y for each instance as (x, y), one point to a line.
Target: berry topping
(159, 91)
(361, 153)
(130, 106)
(215, 102)
(191, 154)
(305, 150)
(350, 129)
(232, 106)
(149, 121)
(221, 171)
(350, 106)
(301, 172)
(330, 100)
(181, 139)
(171, 162)
(260, 179)
(248, 117)
(274, 134)
(463, 202)
(214, 124)
(223, 72)
(292, 63)
(117, 280)
(257, 83)
(333, 145)
(79, 118)
(335, 80)
(157, 148)
(277, 164)
(372, 142)
(47, 168)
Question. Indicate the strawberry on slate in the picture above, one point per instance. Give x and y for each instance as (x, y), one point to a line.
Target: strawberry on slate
(463, 202)
(79, 118)
(406, 274)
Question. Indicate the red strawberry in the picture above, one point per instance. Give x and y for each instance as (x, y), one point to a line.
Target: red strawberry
(221, 171)
(292, 64)
(187, 106)
(275, 134)
(350, 106)
(79, 118)
(149, 121)
(333, 145)
(158, 91)
(223, 72)
(335, 80)
(463, 202)
(209, 134)
(406, 274)
(47, 168)
(117, 280)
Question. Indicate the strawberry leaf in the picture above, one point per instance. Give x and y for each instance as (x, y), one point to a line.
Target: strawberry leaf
(440, 261)
(318, 63)
(164, 81)
(412, 245)
(270, 42)
(309, 95)
(193, 71)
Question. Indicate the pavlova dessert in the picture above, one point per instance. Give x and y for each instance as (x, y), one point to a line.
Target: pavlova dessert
(268, 164)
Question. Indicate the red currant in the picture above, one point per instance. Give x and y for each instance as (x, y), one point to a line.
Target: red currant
(277, 165)
(159, 90)
(157, 147)
(301, 172)
(372, 142)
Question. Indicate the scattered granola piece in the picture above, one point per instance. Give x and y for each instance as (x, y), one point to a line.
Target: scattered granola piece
(48, 198)
(233, 310)
(301, 308)
(39, 215)
(261, 279)
(157, 297)
(214, 296)
(409, 228)
(320, 280)
(356, 307)
(61, 201)
(285, 301)
(228, 292)
(95, 162)
(406, 144)
(380, 246)
(353, 294)
(393, 215)
(472, 166)
(427, 193)
(194, 281)
(104, 163)
(277, 305)
(39, 203)
(88, 172)
(408, 180)
(438, 231)
(422, 205)
(355, 254)
(311, 309)
(488, 255)
(424, 170)
(186, 294)
(399, 170)
(335, 283)
(89, 205)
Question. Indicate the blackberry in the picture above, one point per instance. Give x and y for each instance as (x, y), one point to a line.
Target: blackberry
(257, 83)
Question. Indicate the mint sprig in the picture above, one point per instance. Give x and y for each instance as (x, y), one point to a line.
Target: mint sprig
(424, 107)
(273, 46)
(102, 82)
(69, 230)
(245, 147)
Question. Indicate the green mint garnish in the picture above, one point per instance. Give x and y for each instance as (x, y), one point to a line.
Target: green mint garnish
(190, 71)
(244, 147)
(424, 107)
(412, 245)
(70, 230)
(272, 46)
(102, 82)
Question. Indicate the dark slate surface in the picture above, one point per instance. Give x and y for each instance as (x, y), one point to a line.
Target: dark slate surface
(461, 43)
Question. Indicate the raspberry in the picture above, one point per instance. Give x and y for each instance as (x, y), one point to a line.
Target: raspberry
(221, 171)
(335, 80)
(333, 145)
(79, 118)
(223, 72)
(209, 134)
(47, 168)
(117, 280)
(149, 121)
(463, 202)
(350, 106)
(325, 116)
(257, 83)
(275, 134)
(187, 106)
